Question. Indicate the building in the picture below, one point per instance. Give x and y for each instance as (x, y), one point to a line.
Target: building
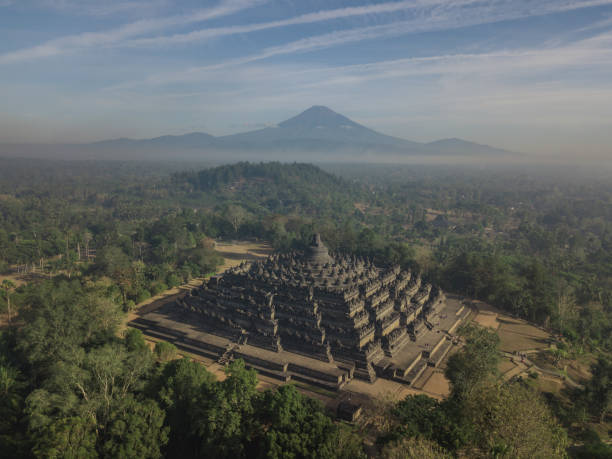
(320, 317)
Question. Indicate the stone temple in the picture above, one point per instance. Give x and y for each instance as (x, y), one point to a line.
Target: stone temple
(314, 316)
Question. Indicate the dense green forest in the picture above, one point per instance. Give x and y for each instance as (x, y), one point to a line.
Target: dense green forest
(92, 239)
(72, 388)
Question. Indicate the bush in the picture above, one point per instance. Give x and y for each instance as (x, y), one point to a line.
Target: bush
(165, 351)
(186, 273)
(157, 288)
(129, 306)
(173, 280)
(134, 339)
(142, 295)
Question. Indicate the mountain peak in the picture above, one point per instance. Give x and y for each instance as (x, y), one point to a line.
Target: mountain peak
(318, 116)
(317, 130)
(320, 107)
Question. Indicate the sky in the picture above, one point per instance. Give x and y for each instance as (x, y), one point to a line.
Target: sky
(533, 76)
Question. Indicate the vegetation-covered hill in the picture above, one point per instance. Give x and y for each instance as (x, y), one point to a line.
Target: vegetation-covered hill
(275, 187)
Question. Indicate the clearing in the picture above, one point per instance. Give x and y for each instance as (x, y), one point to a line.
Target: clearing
(516, 335)
(235, 252)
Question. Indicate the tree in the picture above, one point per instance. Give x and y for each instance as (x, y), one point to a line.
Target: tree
(512, 420)
(295, 426)
(8, 287)
(598, 391)
(223, 418)
(203, 257)
(90, 402)
(134, 429)
(236, 215)
(423, 416)
(419, 415)
(12, 387)
(113, 262)
(59, 318)
(566, 309)
(179, 388)
(475, 362)
(87, 237)
(70, 437)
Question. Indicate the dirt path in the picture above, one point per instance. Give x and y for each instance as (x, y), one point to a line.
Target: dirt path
(235, 252)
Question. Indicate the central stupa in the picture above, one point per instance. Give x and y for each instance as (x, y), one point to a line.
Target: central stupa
(317, 253)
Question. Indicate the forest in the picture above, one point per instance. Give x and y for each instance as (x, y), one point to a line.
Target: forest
(82, 243)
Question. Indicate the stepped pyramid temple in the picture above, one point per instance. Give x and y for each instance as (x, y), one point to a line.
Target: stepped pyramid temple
(314, 316)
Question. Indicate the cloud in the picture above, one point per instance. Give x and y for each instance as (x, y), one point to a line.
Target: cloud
(481, 12)
(429, 15)
(491, 82)
(593, 52)
(87, 40)
(467, 79)
(449, 17)
(319, 16)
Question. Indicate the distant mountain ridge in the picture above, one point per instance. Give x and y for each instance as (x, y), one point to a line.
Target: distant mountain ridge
(318, 132)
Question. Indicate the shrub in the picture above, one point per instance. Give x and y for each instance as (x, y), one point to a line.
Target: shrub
(129, 306)
(173, 280)
(142, 295)
(157, 288)
(165, 351)
(134, 339)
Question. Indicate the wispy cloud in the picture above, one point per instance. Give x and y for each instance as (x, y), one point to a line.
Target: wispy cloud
(595, 52)
(431, 10)
(319, 16)
(429, 15)
(87, 40)
(436, 20)
(593, 55)
(502, 83)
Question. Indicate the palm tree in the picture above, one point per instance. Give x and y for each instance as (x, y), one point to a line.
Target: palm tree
(8, 287)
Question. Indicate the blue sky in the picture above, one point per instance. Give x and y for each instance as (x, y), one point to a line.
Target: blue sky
(527, 75)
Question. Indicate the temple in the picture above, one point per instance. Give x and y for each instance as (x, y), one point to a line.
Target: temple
(314, 316)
